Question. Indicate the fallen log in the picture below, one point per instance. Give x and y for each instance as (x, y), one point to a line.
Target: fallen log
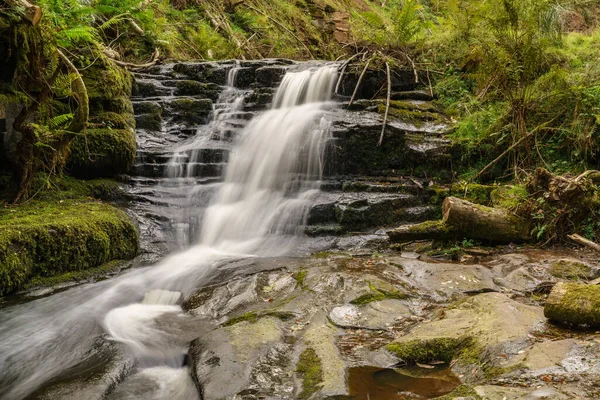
(463, 219)
(584, 242)
(574, 304)
(31, 12)
(480, 222)
(428, 230)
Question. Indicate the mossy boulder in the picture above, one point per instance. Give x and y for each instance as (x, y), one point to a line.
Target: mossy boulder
(105, 80)
(48, 238)
(425, 351)
(194, 88)
(113, 120)
(571, 269)
(190, 110)
(102, 153)
(150, 121)
(574, 304)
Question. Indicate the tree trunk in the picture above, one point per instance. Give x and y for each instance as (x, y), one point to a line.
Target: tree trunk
(574, 303)
(480, 222)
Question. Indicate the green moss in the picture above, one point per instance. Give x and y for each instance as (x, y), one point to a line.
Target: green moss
(461, 391)
(102, 153)
(106, 80)
(509, 197)
(424, 351)
(195, 88)
(254, 316)
(473, 192)
(429, 226)
(44, 239)
(300, 276)
(579, 305)
(377, 295)
(310, 369)
(109, 119)
(566, 269)
(192, 110)
(410, 112)
(77, 276)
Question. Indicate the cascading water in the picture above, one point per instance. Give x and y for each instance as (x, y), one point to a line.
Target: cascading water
(271, 177)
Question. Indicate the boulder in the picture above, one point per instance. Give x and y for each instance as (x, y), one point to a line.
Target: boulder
(102, 153)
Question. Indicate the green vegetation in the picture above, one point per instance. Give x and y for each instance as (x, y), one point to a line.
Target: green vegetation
(424, 351)
(311, 371)
(377, 295)
(567, 269)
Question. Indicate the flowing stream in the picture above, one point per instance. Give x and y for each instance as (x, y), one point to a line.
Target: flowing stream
(259, 209)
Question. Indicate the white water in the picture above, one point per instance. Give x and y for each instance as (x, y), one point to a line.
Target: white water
(271, 178)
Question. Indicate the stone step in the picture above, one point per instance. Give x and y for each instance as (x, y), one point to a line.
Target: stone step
(206, 155)
(359, 210)
(193, 169)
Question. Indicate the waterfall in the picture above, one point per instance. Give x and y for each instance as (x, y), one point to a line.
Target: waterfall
(272, 175)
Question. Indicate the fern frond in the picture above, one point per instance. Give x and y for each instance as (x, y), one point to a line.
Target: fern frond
(79, 34)
(114, 21)
(60, 120)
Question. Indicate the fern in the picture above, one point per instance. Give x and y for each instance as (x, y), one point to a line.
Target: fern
(78, 35)
(114, 21)
(62, 84)
(60, 120)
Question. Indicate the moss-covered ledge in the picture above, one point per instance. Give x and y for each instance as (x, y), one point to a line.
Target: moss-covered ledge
(43, 239)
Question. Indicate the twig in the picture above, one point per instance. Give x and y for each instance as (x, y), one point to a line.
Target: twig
(387, 104)
(282, 26)
(343, 70)
(360, 78)
(584, 242)
(153, 60)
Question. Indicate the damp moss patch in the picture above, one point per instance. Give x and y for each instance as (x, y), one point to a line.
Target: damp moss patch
(425, 351)
(310, 369)
(47, 238)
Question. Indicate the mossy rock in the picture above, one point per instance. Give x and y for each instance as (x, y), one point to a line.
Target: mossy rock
(310, 369)
(194, 88)
(461, 392)
(45, 239)
(152, 122)
(109, 119)
(106, 80)
(571, 269)
(425, 351)
(190, 110)
(102, 153)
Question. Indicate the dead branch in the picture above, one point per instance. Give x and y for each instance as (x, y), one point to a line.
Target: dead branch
(153, 60)
(343, 70)
(387, 104)
(584, 242)
(360, 78)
